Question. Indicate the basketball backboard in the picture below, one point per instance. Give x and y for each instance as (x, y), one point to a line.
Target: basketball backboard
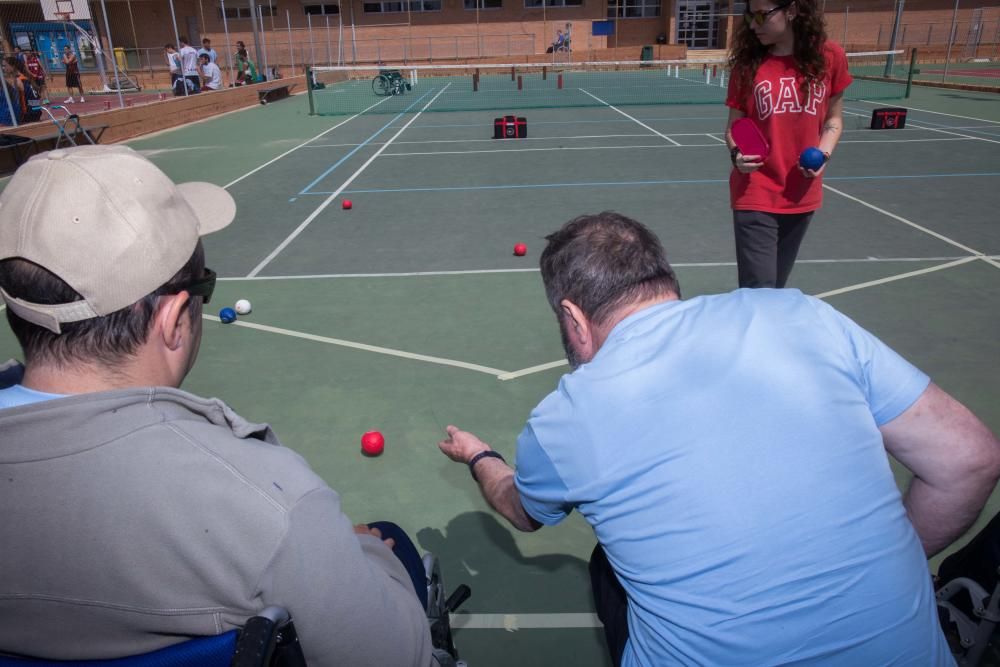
(72, 10)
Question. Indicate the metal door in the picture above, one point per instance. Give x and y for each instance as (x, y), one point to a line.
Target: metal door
(698, 23)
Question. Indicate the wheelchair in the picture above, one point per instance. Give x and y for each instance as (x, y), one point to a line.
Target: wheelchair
(269, 639)
(389, 82)
(974, 612)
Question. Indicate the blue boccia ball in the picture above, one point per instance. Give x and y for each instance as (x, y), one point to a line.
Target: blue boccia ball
(227, 315)
(812, 158)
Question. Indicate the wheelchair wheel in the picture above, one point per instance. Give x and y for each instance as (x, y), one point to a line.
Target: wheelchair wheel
(382, 85)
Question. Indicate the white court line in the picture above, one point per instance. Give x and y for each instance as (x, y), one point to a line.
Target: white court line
(363, 346)
(958, 134)
(515, 622)
(940, 113)
(292, 150)
(902, 141)
(502, 375)
(823, 295)
(914, 126)
(629, 117)
(470, 272)
(534, 369)
(891, 279)
(925, 230)
(608, 136)
(656, 146)
(326, 202)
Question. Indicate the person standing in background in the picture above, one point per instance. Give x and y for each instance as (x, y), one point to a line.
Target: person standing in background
(72, 74)
(789, 79)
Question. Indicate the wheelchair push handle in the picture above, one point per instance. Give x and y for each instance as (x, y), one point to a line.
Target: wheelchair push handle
(457, 598)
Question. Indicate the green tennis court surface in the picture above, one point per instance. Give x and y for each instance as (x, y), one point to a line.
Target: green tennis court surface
(410, 311)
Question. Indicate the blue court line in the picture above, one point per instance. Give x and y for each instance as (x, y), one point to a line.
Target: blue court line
(341, 161)
(634, 183)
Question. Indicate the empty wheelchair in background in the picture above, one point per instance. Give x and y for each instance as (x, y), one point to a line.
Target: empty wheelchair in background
(269, 639)
(390, 82)
(68, 127)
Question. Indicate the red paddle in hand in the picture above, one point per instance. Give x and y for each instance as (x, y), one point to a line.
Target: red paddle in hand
(749, 139)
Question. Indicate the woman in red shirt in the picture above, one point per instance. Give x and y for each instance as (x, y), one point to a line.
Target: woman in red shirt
(789, 79)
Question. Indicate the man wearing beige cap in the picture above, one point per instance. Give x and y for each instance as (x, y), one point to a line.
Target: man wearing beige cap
(135, 514)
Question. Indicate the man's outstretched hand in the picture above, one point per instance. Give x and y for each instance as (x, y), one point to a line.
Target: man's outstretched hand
(461, 445)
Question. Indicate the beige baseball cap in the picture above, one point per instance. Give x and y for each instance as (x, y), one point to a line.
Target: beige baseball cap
(106, 221)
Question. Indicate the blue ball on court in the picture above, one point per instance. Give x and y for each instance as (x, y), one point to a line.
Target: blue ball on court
(227, 315)
(812, 158)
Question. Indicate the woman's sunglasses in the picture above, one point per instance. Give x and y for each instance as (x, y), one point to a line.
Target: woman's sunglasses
(760, 18)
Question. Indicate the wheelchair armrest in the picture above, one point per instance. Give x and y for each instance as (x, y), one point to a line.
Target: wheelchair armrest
(269, 638)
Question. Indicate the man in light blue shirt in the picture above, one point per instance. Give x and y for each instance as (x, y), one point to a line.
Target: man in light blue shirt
(207, 50)
(729, 452)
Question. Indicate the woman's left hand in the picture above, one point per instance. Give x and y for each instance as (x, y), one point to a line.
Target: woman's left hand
(812, 173)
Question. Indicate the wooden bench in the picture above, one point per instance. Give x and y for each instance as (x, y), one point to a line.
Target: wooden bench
(274, 92)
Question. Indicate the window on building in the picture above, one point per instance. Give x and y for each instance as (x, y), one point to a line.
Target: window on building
(322, 10)
(484, 4)
(633, 9)
(391, 7)
(555, 3)
(244, 12)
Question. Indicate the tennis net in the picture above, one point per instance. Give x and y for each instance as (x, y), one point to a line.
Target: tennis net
(470, 87)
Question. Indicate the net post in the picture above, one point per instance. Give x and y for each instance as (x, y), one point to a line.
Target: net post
(475, 82)
(708, 75)
(545, 72)
(909, 75)
(512, 76)
(559, 82)
(520, 83)
(309, 89)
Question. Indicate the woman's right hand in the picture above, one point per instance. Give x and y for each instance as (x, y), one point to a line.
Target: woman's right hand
(747, 164)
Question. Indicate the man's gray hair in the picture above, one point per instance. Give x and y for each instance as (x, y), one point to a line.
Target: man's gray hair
(605, 261)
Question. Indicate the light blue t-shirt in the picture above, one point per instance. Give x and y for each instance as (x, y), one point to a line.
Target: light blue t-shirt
(13, 394)
(726, 452)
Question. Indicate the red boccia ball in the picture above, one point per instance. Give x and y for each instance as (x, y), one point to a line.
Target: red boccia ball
(372, 443)
(520, 249)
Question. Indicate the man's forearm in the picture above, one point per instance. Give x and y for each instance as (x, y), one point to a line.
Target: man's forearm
(941, 518)
(496, 481)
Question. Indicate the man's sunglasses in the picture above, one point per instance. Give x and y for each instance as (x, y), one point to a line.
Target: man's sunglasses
(760, 18)
(202, 287)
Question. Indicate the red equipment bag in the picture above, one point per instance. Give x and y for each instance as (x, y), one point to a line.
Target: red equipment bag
(510, 127)
(888, 118)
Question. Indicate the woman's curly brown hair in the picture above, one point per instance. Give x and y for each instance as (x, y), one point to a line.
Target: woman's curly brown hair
(747, 52)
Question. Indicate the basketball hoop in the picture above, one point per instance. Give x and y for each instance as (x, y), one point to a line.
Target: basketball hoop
(63, 16)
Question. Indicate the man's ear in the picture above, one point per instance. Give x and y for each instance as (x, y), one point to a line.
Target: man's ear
(578, 326)
(173, 320)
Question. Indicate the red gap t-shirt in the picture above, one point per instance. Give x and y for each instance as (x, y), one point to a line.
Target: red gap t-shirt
(790, 125)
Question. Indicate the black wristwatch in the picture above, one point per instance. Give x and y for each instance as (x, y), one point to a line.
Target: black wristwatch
(733, 152)
(486, 453)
